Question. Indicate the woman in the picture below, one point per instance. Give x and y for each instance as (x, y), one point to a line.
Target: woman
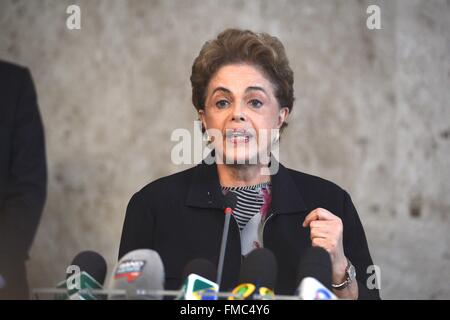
(242, 88)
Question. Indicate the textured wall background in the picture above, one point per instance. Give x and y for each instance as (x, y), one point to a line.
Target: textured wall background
(372, 114)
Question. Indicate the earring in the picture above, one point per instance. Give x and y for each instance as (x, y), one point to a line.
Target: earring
(208, 137)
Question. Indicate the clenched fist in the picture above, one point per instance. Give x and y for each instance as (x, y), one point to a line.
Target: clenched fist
(326, 232)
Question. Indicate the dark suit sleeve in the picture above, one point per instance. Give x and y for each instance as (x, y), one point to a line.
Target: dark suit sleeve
(357, 250)
(27, 181)
(137, 232)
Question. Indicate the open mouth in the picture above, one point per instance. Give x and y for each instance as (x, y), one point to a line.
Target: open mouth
(238, 135)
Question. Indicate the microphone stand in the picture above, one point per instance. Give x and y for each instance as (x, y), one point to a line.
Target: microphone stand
(223, 246)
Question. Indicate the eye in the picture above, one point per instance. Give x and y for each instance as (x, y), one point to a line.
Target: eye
(222, 104)
(256, 103)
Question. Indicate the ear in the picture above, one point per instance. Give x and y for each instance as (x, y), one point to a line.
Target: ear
(282, 116)
(201, 116)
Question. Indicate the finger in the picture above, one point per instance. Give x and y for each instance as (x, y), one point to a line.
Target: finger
(313, 215)
(319, 214)
(326, 224)
(324, 214)
(320, 242)
(319, 233)
(333, 228)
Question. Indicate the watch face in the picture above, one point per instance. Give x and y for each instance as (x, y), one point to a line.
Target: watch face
(352, 272)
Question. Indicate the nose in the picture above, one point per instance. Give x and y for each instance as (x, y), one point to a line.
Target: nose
(238, 115)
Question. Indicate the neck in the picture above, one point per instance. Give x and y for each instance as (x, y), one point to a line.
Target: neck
(240, 175)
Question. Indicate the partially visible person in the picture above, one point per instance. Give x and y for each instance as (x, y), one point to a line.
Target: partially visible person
(23, 176)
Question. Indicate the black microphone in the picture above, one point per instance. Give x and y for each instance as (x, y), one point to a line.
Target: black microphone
(258, 275)
(260, 268)
(314, 275)
(230, 201)
(315, 263)
(198, 283)
(202, 267)
(87, 271)
(92, 263)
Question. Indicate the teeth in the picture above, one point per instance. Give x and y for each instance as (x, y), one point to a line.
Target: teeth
(233, 134)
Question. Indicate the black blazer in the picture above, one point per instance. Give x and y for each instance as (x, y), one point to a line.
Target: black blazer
(181, 217)
(23, 171)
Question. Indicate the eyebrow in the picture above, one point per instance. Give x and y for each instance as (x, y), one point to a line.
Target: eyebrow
(251, 88)
(221, 89)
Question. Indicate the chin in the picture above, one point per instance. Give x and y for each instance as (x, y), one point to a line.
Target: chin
(240, 158)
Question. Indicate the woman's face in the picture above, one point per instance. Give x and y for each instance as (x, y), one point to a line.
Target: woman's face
(240, 110)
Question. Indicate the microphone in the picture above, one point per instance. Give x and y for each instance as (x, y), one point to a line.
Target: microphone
(86, 272)
(202, 267)
(230, 201)
(257, 277)
(140, 273)
(197, 284)
(314, 275)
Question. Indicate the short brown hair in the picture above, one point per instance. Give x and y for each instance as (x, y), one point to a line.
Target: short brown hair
(243, 46)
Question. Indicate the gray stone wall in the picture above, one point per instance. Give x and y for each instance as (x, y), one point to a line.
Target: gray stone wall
(372, 114)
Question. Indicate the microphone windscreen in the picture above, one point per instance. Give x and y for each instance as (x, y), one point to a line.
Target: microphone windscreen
(201, 267)
(92, 263)
(259, 268)
(315, 263)
(230, 200)
(138, 273)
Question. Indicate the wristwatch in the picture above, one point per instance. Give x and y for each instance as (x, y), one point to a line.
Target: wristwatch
(350, 275)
